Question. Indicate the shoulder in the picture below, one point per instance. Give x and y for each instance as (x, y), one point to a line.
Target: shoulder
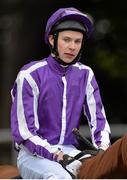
(29, 68)
(82, 67)
(85, 70)
(34, 65)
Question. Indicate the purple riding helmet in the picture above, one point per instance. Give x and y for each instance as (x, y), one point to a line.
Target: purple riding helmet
(67, 19)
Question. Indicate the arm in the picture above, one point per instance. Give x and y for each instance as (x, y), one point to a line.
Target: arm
(95, 113)
(24, 117)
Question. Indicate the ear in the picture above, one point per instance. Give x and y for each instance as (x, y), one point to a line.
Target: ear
(51, 40)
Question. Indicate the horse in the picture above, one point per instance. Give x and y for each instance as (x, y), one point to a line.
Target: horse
(9, 172)
(110, 164)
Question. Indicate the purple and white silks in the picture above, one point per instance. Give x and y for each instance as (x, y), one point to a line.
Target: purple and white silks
(47, 103)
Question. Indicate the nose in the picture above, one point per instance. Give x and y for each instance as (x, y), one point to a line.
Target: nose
(72, 45)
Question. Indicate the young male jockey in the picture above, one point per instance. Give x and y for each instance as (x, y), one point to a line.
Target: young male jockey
(48, 98)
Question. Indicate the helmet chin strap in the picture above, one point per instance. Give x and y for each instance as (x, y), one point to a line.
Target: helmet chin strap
(60, 61)
(55, 53)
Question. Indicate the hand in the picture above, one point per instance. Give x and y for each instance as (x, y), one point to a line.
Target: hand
(58, 155)
(100, 151)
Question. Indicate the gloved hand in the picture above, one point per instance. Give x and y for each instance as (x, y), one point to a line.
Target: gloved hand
(100, 150)
(71, 165)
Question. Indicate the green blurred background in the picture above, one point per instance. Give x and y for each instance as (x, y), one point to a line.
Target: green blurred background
(22, 25)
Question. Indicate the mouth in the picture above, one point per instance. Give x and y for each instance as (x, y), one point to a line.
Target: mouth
(69, 54)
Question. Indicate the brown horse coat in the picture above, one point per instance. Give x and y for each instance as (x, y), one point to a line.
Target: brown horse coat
(8, 171)
(111, 164)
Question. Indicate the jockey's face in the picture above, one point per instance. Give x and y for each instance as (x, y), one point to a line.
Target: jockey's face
(68, 44)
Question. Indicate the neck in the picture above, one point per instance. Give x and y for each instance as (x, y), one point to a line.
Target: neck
(61, 62)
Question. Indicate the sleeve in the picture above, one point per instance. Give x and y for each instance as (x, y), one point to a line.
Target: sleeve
(95, 113)
(24, 117)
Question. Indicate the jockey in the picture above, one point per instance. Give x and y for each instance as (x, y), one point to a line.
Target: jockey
(48, 97)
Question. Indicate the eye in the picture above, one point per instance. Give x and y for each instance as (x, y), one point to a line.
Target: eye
(79, 41)
(66, 39)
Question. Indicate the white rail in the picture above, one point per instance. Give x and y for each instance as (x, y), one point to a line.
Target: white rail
(5, 138)
(117, 131)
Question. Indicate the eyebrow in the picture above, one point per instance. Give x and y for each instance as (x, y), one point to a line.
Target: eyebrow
(71, 37)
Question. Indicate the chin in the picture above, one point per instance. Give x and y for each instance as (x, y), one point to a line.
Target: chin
(67, 60)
